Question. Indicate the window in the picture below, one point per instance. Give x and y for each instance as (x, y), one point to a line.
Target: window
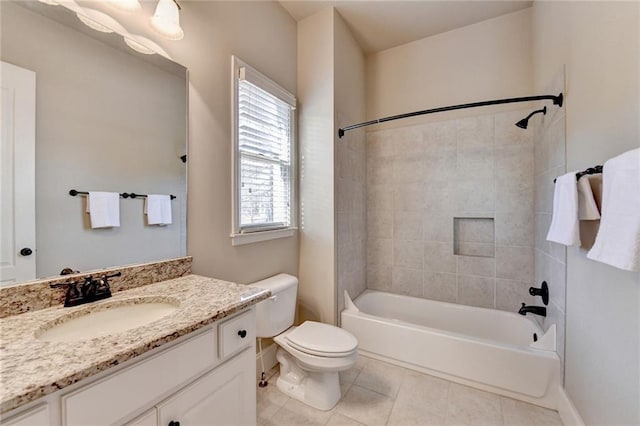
(264, 128)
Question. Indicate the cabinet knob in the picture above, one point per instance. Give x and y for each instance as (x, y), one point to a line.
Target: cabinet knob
(26, 251)
(242, 334)
(174, 423)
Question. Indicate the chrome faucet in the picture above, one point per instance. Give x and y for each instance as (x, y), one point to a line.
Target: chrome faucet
(536, 310)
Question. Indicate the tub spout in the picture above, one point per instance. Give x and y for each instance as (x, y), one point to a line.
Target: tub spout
(536, 310)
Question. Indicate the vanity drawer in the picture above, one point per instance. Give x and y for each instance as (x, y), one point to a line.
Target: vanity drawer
(140, 385)
(236, 334)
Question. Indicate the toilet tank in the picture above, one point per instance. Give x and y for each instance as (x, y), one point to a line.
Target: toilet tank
(275, 314)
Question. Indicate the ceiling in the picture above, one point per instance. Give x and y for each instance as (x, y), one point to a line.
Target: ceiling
(379, 25)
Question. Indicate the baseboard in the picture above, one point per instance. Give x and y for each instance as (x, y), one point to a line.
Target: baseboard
(567, 411)
(270, 360)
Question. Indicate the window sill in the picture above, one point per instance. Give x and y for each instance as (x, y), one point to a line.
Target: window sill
(255, 237)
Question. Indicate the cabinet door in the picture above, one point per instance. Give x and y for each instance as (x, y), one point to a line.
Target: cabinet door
(38, 416)
(225, 396)
(149, 418)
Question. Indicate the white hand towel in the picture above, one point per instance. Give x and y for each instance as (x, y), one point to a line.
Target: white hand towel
(565, 227)
(618, 239)
(104, 209)
(587, 207)
(158, 209)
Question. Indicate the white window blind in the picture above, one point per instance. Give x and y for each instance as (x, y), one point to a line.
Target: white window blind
(264, 139)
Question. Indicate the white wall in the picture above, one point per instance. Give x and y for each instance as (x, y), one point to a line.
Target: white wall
(599, 44)
(487, 60)
(262, 34)
(317, 293)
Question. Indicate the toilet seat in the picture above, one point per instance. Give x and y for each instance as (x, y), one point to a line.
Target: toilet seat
(323, 340)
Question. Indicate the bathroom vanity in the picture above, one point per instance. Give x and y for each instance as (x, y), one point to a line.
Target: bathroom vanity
(194, 365)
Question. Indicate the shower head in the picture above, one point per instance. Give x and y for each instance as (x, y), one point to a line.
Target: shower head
(525, 121)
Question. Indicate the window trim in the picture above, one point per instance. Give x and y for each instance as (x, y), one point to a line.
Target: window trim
(241, 70)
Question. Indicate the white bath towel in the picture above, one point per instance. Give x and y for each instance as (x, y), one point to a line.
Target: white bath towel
(157, 207)
(587, 207)
(618, 239)
(104, 209)
(565, 226)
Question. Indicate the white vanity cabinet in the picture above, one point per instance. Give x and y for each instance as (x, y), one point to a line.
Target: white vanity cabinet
(188, 383)
(225, 397)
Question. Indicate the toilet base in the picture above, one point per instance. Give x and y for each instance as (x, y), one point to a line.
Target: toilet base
(319, 390)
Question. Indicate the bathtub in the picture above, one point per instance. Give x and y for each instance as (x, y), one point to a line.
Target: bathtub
(483, 348)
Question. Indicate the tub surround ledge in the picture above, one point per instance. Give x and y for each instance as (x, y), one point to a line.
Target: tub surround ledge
(32, 368)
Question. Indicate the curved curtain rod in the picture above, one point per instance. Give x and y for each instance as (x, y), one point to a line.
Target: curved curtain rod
(557, 100)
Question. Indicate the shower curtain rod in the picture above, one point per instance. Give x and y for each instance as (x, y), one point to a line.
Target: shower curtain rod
(557, 100)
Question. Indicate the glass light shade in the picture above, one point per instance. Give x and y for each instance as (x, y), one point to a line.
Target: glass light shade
(126, 5)
(166, 20)
(93, 23)
(137, 46)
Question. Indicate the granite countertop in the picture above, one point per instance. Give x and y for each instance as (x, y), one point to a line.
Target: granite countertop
(31, 368)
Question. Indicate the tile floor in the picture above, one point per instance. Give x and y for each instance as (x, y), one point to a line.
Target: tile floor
(377, 393)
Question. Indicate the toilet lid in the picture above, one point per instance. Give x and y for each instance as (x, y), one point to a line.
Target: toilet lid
(322, 339)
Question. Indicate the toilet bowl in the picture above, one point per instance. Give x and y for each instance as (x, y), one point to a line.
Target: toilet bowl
(310, 355)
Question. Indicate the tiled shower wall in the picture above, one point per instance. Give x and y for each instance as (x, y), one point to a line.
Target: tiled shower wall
(550, 258)
(351, 215)
(419, 179)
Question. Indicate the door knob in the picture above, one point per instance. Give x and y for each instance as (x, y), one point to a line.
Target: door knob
(26, 251)
(174, 423)
(242, 334)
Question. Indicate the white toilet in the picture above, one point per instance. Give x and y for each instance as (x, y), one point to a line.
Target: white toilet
(310, 355)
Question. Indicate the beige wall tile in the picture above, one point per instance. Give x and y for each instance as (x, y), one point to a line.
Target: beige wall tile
(379, 277)
(476, 291)
(475, 265)
(439, 257)
(515, 228)
(380, 224)
(407, 225)
(438, 226)
(440, 286)
(407, 281)
(511, 294)
(475, 132)
(379, 251)
(515, 263)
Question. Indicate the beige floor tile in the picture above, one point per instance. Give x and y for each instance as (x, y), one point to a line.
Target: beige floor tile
(294, 412)
(338, 419)
(421, 400)
(468, 406)
(366, 406)
(518, 413)
(269, 400)
(381, 377)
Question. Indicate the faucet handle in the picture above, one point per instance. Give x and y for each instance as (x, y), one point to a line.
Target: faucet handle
(73, 294)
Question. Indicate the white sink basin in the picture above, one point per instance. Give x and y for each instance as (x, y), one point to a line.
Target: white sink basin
(107, 318)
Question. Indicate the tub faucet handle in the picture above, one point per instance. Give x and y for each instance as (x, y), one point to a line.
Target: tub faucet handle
(543, 292)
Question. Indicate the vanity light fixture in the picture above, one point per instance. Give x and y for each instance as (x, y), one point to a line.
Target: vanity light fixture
(166, 20)
(92, 20)
(126, 5)
(137, 46)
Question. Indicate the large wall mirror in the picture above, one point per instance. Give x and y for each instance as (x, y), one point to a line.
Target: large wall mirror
(106, 119)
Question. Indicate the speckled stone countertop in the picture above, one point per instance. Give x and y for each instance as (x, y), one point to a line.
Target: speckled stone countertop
(31, 368)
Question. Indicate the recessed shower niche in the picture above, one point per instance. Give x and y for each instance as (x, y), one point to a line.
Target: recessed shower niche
(474, 236)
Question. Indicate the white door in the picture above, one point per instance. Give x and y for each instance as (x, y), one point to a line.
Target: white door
(226, 397)
(17, 174)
